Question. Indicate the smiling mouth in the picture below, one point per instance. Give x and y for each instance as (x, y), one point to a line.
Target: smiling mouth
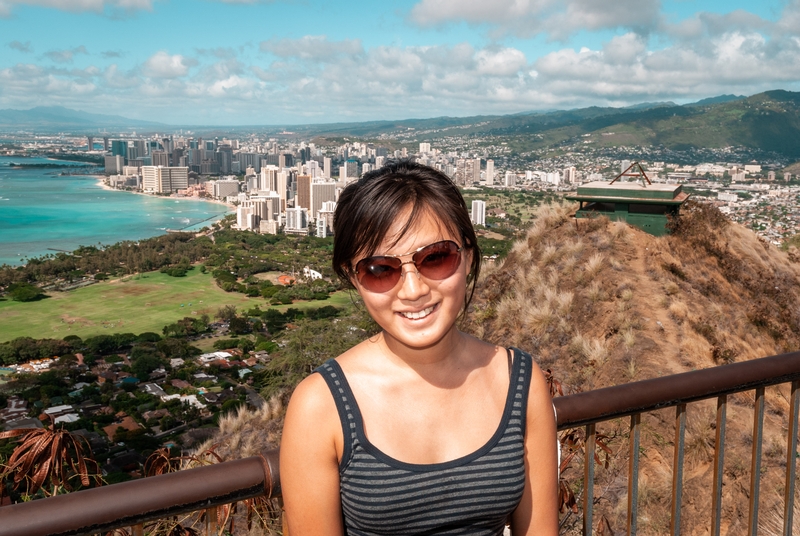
(419, 314)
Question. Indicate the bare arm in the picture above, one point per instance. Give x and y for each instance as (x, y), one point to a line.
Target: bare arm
(537, 512)
(309, 463)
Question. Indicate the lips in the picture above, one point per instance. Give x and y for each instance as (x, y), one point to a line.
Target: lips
(419, 314)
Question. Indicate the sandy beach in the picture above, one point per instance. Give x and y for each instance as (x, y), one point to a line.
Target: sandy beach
(101, 181)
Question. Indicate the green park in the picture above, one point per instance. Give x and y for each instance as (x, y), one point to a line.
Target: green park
(132, 304)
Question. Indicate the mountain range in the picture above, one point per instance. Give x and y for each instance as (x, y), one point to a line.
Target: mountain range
(768, 121)
(58, 118)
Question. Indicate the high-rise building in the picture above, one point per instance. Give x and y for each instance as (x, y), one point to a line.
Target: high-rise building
(479, 212)
(114, 164)
(476, 171)
(570, 175)
(284, 178)
(424, 148)
(269, 179)
(160, 179)
(105, 144)
(285, 160)
(160, 158)
(242, 213)
(303, 198)
(90, 143)
(350, 169)
(247, 160)
(224, 158)
(327, 167)
(225, 188)
(296, 221)
(510, 179)
(321, 192)
(379, 161)
(490, 172)
(119, 148)
(325, 219)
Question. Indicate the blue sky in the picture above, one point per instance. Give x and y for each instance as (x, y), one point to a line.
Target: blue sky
(250, 62)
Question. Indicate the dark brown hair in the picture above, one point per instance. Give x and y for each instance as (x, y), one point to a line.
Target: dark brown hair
(368, 208)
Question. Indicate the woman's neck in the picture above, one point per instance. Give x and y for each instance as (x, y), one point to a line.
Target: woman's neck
(446, 355)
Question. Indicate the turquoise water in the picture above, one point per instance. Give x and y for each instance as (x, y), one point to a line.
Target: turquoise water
(43, 212)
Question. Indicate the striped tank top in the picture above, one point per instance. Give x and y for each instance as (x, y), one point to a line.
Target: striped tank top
(472, 495)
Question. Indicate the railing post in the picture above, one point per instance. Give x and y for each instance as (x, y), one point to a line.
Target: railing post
(588, 479)
(677, 469)
(791, 460)
(211, 521)
(633, 474)
(755, 462)
(719, 464)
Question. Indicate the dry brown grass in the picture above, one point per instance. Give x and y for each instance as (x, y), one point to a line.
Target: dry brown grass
(602, 304)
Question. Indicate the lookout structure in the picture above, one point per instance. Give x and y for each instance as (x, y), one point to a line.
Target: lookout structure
(640, 203)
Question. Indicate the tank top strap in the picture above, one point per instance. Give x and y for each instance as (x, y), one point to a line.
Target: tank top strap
(520, 384)
(346, 405)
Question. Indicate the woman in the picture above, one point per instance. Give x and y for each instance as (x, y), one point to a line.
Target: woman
(421, 429)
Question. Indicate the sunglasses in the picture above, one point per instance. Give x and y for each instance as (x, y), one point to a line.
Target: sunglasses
(436, 261)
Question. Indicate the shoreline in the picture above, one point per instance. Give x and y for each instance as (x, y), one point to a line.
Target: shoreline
(101, 181)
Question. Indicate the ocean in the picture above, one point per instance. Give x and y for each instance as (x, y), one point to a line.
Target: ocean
(43, 212)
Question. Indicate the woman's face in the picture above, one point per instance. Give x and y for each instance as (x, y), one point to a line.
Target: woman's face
(417, 312)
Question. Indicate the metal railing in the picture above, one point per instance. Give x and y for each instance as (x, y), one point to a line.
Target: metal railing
(130, 504)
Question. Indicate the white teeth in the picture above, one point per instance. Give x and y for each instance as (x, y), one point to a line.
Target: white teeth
(420, 314)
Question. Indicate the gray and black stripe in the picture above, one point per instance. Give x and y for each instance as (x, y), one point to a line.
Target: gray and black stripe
(471, 495)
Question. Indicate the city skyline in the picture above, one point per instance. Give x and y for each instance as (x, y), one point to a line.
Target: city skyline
(247, 62)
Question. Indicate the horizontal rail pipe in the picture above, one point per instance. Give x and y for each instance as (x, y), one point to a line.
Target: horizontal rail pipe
(129, 503)
(648, 395)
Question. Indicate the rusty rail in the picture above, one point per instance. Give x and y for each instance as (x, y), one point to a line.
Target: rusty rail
(132, 503)
(98, 510)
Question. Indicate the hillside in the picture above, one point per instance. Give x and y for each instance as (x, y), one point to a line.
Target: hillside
(602, 304)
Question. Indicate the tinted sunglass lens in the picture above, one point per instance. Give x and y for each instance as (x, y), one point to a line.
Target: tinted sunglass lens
(438, 261)
(379, 274)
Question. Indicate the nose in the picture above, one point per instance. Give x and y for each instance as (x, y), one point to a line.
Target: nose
(411, 288)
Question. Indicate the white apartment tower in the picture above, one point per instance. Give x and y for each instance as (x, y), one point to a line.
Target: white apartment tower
(570, 175)
(490, 172)
(424, 148)
(326, 169)
(162, 180)
(225, 188)
(325, 219)
(479, 212)
(296, 221)
(510, 179)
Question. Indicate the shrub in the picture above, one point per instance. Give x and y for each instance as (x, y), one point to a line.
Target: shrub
(25, 292)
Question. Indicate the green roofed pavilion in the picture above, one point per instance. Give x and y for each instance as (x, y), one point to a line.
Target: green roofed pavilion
(642, 205)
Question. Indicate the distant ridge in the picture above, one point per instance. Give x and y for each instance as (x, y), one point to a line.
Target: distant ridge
(60, 118)
(717, 100)
(768, 122)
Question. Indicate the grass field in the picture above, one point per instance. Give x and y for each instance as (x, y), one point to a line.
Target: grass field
(136, 304)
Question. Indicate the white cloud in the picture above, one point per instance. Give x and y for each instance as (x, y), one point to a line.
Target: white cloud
(311, 47)
(557, 19)
(65, 56)
(97, 6)
(21, 47)
(163, 65)
(317, 79)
